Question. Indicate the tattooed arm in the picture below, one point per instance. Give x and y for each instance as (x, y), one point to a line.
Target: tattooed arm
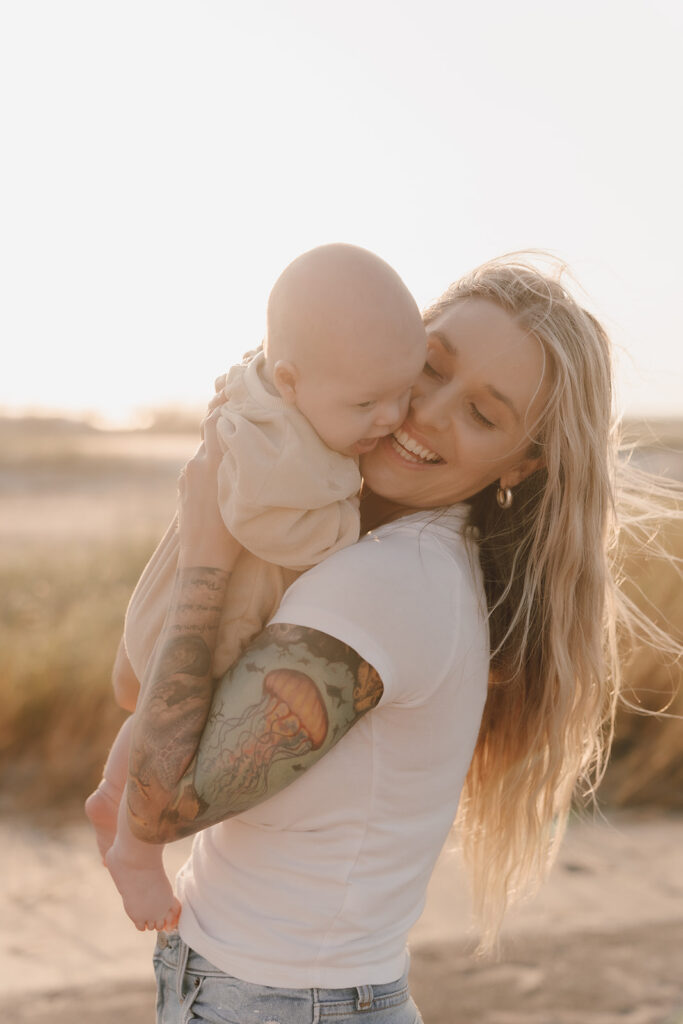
(291, 696)
(203, 751)
(173, 710)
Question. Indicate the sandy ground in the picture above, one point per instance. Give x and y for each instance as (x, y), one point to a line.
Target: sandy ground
(602, 943)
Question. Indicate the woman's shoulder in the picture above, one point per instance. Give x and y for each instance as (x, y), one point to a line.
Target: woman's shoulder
(422, 565)
(445, 524)
(407, 597)
(441, 532)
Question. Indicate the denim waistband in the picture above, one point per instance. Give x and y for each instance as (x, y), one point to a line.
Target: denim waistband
(334, 1002)
(190, 968)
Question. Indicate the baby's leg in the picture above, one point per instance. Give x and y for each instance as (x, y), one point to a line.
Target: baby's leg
(124, 681)
(102, 806)
(138, 872)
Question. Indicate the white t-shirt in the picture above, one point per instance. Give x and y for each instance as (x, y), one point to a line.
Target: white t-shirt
(318, 885)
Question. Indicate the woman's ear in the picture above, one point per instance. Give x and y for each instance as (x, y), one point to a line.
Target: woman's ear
(521, 471)
(285, 378)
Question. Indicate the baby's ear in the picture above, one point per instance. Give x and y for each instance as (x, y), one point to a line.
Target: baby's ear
(285, 377)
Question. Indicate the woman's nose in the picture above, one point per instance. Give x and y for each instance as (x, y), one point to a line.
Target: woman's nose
(433, 408)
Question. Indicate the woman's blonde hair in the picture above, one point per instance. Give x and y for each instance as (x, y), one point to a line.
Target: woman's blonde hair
(556, 615)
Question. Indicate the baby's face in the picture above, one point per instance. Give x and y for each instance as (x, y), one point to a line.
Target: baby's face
(354, 397)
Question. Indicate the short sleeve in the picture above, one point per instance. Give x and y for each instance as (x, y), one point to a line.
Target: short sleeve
(404, 600)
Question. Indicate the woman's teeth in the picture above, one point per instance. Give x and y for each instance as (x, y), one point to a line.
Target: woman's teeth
(411, 450)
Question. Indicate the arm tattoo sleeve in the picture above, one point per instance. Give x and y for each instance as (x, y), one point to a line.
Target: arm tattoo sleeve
(291, 696)
(172, 713)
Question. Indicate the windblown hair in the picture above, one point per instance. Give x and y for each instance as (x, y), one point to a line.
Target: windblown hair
(556, 615)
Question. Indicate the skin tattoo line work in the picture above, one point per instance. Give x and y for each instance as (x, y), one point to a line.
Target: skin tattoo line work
(204, 750)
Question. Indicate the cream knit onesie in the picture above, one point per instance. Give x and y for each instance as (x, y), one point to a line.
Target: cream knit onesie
(283, 494)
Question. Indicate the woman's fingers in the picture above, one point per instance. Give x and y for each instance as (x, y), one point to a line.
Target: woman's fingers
(191, 466)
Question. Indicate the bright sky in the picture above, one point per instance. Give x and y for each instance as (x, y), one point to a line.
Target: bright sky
(165, 159)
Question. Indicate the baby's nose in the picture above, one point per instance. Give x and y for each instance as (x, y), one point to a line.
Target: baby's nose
(390, 414)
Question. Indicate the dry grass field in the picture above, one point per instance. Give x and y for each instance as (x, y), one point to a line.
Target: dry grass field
(80, 512)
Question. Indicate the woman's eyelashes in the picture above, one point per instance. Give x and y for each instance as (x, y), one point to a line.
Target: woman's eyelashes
(480, 418)
(430, 371)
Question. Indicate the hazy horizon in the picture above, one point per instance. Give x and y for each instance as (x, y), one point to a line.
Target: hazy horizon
(187, 419)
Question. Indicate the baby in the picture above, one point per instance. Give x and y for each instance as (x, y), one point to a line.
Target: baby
(344, 343)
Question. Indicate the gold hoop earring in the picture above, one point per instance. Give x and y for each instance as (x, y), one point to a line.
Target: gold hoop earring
(504, 497)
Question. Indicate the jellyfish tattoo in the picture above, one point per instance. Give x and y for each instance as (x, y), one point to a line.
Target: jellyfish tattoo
(290, 720)
(367, 689)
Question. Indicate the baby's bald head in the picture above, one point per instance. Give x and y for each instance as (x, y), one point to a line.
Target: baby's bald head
(344, 343)
(331, 300)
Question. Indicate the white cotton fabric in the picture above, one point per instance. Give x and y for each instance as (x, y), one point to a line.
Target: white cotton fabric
(319, 885)
(283, 494)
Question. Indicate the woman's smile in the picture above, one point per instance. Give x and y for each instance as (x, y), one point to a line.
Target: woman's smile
(473, 414)
(411, 449)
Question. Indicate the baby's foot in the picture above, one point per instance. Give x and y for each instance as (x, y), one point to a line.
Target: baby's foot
(147, 894)
(101, 808)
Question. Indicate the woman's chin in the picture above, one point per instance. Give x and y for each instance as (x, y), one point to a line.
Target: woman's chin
(391, 477)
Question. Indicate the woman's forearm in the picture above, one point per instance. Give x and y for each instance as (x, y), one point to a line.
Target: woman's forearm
(173, 710)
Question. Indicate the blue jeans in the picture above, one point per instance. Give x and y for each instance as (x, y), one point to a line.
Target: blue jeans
(190, 989)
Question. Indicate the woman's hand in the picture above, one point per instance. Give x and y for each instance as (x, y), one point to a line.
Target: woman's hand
(204, 539)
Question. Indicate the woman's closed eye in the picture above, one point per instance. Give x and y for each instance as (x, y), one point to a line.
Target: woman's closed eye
(430, 371)
(480, 418)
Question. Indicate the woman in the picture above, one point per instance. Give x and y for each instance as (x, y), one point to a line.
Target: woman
(460, 657)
